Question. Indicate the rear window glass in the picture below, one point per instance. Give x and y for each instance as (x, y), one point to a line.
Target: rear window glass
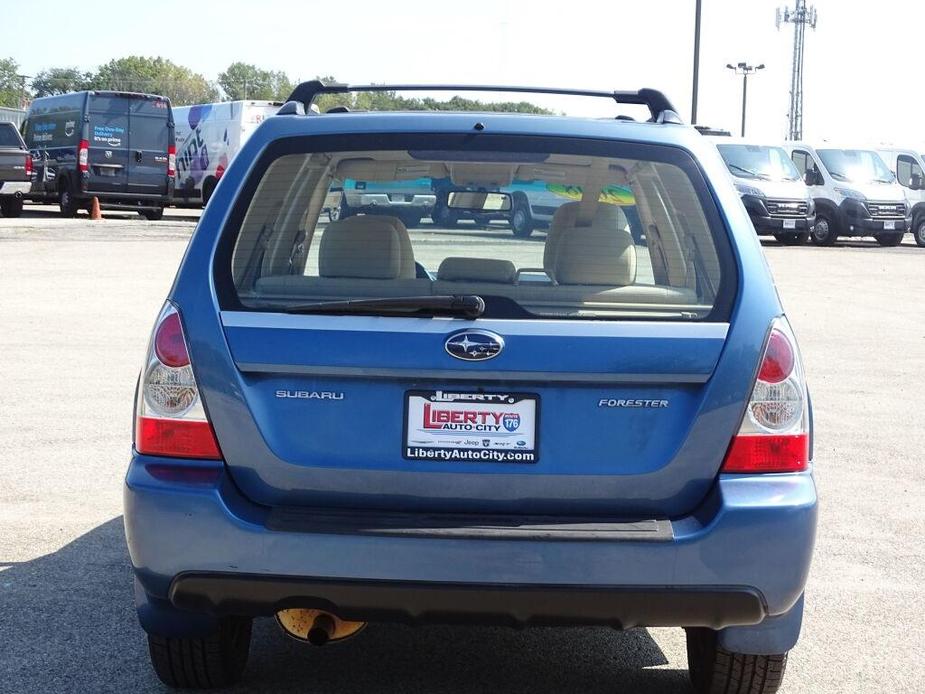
(534, 234)
(148, 121)
(8, 136)
(148, 132)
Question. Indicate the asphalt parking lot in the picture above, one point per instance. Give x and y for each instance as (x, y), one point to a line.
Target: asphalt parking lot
(78, 301)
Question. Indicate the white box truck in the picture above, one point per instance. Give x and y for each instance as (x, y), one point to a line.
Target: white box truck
(208, 136)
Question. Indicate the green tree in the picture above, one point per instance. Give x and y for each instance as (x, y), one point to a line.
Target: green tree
(244, 81)
(155, 76)
(12, 89)
(60, 80)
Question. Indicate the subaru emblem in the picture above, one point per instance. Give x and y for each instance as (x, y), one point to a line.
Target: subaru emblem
(474, 345)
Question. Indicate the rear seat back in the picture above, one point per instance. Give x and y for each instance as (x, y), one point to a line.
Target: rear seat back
(366, 247)
(361, 256)
(601, 254)
(371, 256)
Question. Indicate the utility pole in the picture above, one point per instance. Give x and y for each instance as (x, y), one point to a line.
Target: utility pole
(22, 90)
(745, 70)
(697, 9)
(800, 16)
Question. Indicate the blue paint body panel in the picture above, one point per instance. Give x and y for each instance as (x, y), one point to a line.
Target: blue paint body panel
(750, 532)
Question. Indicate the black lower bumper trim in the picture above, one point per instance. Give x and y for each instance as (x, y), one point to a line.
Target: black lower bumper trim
(458, 525)
(511, 605)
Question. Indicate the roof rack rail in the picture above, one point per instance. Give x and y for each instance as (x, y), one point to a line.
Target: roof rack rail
(304, 94)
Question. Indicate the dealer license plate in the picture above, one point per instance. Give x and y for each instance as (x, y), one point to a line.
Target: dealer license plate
(889, 225)
(456, 426)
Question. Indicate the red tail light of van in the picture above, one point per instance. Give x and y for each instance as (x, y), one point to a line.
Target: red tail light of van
(83, 156)
(172, 160)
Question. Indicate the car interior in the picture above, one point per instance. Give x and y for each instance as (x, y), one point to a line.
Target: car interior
(587, 265)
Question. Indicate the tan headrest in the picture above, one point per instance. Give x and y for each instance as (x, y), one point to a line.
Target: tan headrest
(366, 247)
(566, 217)
(563, 218)
(477, 270)
(601, 254)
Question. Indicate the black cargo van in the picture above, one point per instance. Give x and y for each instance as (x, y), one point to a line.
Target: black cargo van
(116, 146)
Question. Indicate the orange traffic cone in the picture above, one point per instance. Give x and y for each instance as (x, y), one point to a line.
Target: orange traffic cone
(95, 209)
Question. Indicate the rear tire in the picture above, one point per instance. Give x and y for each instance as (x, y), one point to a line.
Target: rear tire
(217, 660)
(345, 209)
(890, 239)
(411, 220)
(11, 207)
(824, 233)
(444, 217)
(794, 238)
(66, 202)
(208, 187)
(153, 215)
(714, 670)
(919, 232)
(522, 223)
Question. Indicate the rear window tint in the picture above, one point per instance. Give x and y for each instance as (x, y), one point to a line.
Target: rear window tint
(149, 132)
(8, 136)
(612, 236)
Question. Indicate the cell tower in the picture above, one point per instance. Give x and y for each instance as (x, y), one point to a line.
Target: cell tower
(800, 16)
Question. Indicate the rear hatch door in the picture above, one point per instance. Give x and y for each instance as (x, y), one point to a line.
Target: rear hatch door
(109, 141)
(602, 419)
(607, 390)
(149, 138)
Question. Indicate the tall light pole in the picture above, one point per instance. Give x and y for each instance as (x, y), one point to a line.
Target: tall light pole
(696, 61)
(745, 70)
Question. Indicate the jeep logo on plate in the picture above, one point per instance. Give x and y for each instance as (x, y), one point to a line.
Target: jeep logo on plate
(474, 345)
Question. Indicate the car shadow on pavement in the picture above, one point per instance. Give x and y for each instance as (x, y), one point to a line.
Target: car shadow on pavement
(67, 624)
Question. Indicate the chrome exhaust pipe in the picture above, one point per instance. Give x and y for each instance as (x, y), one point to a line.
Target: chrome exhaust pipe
(316, 626)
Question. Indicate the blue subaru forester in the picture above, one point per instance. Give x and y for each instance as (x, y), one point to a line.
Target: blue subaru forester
(343, 421)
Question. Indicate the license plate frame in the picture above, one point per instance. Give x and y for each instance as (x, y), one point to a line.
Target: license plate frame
(498, 427)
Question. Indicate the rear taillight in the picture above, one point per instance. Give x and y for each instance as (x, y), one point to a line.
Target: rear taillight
(171, 160)
(83, 156)
(28, 164)
(169, 416)
(774, 434)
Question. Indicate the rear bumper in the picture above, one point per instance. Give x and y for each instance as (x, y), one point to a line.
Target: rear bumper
(17, 188)
(513, 605)
(382, 201)
(742, 557)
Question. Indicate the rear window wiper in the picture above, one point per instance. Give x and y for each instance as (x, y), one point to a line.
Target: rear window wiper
(465, 305)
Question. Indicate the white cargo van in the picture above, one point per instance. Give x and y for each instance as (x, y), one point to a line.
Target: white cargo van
(208, 136)
(772, 190)
(855, 194)
(909, 168)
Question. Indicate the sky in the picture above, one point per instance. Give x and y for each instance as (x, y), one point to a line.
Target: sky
(862, 69)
